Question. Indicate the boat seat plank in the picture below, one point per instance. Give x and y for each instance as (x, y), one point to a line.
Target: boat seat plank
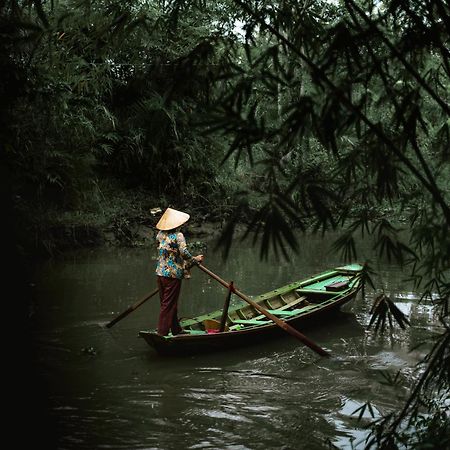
(289, 297)
(251, 322)
(276, 312)
(276, 302)
(290, 305)
(254, 314)
(241, 314)
(196, 332)
(351, 268)
(314, 291)
(306, 308)
(279, 311)
(290, 313)
(321, 285)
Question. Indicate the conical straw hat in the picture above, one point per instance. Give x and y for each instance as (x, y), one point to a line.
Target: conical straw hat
(172, 219)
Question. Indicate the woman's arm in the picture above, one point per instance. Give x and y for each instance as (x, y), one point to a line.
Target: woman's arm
(185, 253)
(181, 241)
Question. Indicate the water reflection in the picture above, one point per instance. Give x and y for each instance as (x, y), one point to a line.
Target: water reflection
(348, 421)
(109, 390)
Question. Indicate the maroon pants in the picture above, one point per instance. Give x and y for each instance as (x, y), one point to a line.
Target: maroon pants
(169, 291)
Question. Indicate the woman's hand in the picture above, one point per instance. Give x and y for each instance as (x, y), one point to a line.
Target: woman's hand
(199, 258)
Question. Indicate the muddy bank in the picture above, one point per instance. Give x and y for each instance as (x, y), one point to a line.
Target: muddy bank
(128, 232)
(129, 221)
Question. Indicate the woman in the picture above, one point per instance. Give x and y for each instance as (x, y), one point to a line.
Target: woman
(173, 260)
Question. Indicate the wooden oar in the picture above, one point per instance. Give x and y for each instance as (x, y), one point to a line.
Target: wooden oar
(131, 308)
(270, 316)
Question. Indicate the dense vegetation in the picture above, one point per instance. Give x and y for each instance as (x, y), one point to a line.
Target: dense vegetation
(100, 102)
(322, 114)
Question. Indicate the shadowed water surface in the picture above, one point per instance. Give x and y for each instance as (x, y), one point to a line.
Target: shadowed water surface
(108, 389)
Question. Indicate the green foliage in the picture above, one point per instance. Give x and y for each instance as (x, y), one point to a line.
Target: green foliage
(344, 110)
(107, 89)
(383, 308)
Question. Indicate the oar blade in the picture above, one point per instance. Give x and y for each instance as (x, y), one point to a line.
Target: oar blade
(131, 308)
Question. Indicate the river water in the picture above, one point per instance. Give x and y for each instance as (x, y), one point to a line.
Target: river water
(107, 389)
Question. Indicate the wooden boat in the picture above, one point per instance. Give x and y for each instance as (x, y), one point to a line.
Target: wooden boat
(300, 304)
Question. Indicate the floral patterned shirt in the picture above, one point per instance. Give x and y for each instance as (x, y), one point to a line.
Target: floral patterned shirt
(172, 254)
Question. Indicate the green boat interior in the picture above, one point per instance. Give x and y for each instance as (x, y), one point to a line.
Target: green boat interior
(286, 302)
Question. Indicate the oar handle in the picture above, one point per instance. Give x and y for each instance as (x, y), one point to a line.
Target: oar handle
(280, 323)
(131, 308)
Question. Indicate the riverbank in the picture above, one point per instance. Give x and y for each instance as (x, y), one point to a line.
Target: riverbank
(118, 217)
(122, 217)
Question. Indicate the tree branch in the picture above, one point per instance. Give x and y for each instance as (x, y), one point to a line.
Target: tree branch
(353, 108)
